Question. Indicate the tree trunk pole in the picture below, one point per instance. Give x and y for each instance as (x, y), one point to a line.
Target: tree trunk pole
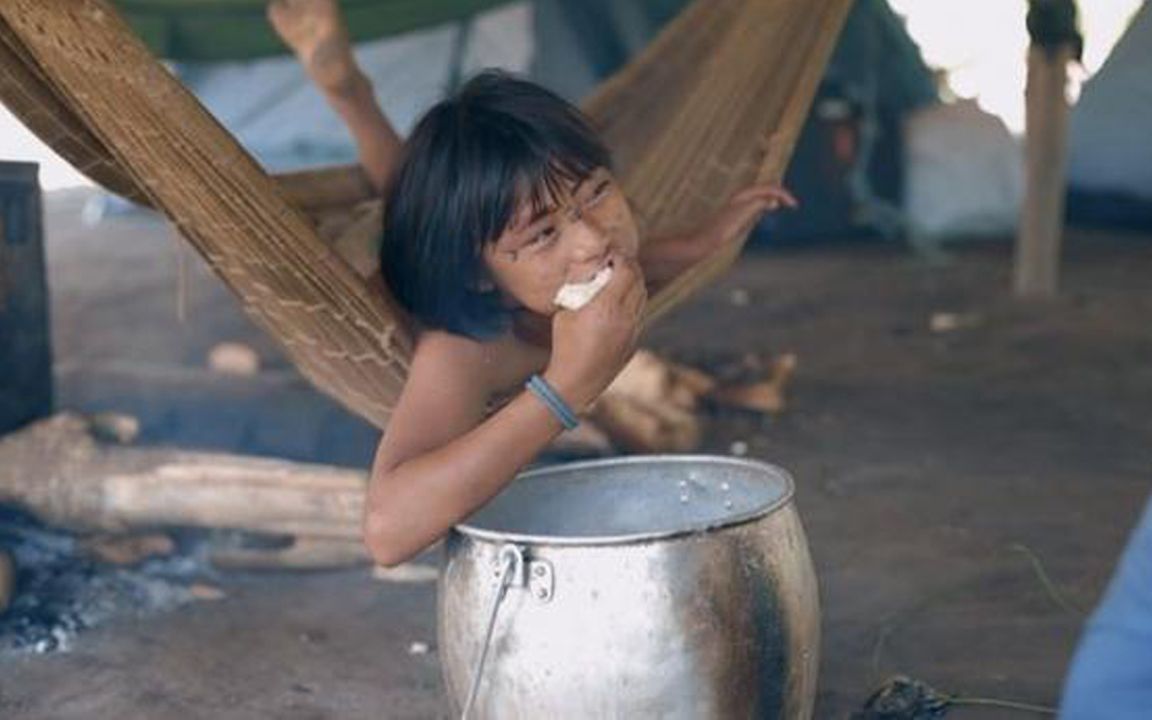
(1042, 219)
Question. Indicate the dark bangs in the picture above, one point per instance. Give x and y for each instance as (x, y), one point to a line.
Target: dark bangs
(471, 162)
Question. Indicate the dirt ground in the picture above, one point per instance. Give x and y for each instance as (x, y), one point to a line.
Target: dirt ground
(938, 473)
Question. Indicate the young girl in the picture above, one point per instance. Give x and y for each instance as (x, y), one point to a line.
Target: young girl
(501, 196)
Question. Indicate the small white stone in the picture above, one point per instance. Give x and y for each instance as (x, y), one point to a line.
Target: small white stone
(418, 648)
(739, 297)
(684, 498)
(945, 322)
(231, 358)
(410, 572)
(738, 448)
(115, 427)
(725, 487)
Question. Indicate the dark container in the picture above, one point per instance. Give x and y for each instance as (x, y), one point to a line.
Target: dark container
(25, 348)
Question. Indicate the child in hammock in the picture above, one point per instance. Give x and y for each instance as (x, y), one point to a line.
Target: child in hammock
(501, 196)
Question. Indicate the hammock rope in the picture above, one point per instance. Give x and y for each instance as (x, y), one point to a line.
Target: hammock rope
(713, 104)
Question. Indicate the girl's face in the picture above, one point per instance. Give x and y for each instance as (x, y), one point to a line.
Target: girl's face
(569, 242)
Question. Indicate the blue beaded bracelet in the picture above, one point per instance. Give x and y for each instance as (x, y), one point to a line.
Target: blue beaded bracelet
(539, 387)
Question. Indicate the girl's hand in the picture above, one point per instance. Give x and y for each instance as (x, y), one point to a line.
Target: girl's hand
(591, 345)
(743, 211)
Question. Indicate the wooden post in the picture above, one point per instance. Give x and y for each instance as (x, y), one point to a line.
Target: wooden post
(1045, 150)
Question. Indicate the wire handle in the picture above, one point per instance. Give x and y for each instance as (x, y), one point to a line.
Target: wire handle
(511, 561)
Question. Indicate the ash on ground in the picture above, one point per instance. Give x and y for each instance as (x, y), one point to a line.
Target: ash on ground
(59, 593)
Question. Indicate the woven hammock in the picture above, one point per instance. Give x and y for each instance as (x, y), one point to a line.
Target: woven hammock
(713, 104)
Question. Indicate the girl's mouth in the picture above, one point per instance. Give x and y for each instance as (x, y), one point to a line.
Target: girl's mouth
(573, 296)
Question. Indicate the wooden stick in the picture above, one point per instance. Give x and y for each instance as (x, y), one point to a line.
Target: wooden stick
(7, 579)
(305, 553)
(340, 186)
(1042, 219)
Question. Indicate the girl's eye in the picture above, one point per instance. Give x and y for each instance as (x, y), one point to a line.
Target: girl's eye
(600, 192)
(544, 236)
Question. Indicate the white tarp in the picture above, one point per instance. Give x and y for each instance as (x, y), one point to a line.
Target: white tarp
(275, 112)
(964, 173)
(1110, 131)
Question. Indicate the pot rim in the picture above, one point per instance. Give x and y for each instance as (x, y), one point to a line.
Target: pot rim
(493, 536)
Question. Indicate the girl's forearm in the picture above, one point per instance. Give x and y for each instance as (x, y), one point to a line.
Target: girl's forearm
(412, 505)
(663, 259)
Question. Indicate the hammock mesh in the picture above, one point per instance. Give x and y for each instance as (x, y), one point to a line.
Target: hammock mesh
(713, 104)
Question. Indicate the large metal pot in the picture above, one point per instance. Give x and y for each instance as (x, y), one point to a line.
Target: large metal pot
(647, 587)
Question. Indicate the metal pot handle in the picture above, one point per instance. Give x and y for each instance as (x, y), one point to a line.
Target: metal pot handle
(536, 575)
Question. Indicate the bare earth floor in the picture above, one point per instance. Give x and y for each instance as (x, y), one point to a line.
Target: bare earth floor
(936, 470)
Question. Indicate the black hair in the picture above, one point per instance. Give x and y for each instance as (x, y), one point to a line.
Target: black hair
(471, 162)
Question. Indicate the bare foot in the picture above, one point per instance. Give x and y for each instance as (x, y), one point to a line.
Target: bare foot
(314, 30)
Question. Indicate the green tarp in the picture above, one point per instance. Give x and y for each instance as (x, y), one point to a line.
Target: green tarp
(237, 29)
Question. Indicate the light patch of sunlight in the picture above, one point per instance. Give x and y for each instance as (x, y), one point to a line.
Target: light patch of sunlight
(18, 143)
(982, 46)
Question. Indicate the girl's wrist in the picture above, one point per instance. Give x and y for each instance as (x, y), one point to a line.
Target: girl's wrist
(569, 391)
(550, 398)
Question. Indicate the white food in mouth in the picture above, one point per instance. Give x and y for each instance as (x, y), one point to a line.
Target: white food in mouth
(574, 296)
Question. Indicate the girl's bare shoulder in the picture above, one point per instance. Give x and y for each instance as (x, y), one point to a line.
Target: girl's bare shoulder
(447, 392)
(496, 365)
(453, 383)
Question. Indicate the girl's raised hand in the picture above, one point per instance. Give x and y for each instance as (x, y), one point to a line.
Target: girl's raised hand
(743, 210)
(591, 345)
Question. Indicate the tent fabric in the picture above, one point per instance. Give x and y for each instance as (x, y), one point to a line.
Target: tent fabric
(207, 30)
(714, 103)
(589, 40)
(1109, 150)
(965, 174)
(279, 116)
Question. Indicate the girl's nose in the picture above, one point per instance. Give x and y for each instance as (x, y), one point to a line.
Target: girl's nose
(589, 240)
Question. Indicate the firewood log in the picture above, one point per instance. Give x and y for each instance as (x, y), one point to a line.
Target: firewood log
(55, 470)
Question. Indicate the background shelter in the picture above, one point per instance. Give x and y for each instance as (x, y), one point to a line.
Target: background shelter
(1109, 151)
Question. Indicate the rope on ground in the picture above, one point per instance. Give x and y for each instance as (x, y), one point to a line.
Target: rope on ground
(901, 697)
(1042, 575)
(1008, 704)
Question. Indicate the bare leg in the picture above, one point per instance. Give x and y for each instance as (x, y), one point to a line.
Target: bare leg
(314, 30)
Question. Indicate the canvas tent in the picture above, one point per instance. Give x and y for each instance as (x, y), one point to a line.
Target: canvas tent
(279, 116)
(1110, 148)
